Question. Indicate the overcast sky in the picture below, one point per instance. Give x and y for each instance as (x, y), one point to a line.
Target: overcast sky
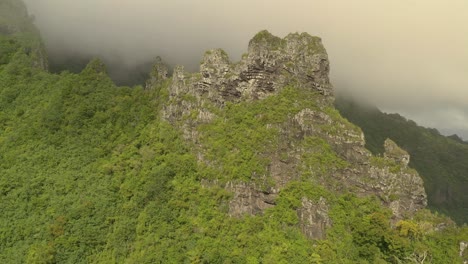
(406, 56)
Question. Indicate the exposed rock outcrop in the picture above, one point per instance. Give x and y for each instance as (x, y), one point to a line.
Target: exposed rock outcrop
(270, 64)
(39, 57)
(249, 200)
(462, 253)
(313, 218)
(389, 178)
(315, 142)
(395, 153)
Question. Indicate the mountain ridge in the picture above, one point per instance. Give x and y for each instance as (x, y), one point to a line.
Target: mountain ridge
(240, 163)
(444, 174)
(271, 64)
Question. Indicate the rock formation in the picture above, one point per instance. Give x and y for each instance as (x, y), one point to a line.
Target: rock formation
(463, 247)
(313, 218)
(271, 64)
(395, 153)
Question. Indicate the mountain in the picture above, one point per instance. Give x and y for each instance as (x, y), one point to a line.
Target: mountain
(441, 161)
(245, 162)
(121, 73)
(17, 31)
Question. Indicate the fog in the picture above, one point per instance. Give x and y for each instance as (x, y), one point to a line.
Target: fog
(405, 56)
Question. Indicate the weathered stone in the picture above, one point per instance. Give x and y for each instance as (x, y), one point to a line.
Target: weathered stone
(270, 64)
(313, 218)
(394, 152)
(463, 247)
(249, 199)
(399, 188)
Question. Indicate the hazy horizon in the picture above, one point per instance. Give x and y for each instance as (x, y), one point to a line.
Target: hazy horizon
(405, 56)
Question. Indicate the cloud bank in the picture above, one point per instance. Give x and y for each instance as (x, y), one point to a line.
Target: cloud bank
(406, 56)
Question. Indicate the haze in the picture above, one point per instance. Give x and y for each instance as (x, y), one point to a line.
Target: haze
(405, 56)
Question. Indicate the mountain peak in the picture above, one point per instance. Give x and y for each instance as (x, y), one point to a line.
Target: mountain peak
(279, 97)
(265, 39)
(271, 64)
(167, 174)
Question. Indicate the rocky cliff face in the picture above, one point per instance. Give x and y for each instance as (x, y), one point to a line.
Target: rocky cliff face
(270, 64)
(310, 141)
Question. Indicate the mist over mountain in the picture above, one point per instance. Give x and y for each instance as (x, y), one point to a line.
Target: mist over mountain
(403, 56)
(119, 71)
(239, 162)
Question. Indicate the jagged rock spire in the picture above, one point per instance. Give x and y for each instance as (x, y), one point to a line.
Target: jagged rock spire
(270, 64)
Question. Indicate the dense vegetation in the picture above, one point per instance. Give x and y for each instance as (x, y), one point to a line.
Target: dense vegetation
(441, 161)
(120, 72)
(90, 173)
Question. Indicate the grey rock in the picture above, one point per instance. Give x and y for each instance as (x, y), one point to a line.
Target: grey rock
(463, 247)
(249, 199)
(313, 218)
(271, 64)
(395, 153)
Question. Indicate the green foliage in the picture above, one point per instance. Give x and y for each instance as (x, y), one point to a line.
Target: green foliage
(89, 173)
(319, 160)
(8, 47)
(441, 161)
(17, 32)
(380, 162)
(239, 139)
(266, 38)
(314, 43)
(76, 153)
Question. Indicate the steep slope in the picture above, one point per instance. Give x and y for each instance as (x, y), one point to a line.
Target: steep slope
(280, 139)
(241, 163)
(442, 161)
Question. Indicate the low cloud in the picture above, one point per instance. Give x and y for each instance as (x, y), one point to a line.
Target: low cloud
(407, 56)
